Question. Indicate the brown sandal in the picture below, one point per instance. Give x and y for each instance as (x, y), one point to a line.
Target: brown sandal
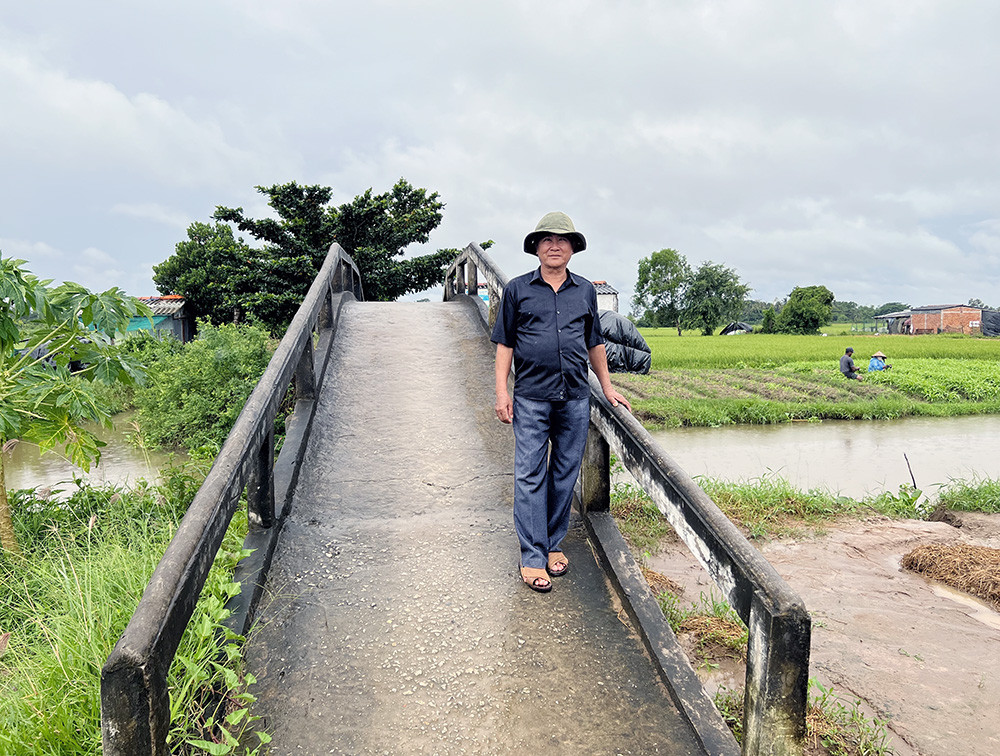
(558, 564)
(531, 576)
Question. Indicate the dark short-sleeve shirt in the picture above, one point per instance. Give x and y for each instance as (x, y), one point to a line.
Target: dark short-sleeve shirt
(847, 365)
(550, 333)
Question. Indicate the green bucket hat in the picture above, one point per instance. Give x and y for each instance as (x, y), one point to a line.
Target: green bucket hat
(554, 223)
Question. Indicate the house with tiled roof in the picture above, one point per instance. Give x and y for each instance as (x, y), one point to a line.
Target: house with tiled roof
(607, 296)
(169, 318)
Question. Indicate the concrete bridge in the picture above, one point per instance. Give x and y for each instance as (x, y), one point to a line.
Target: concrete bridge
(383, 588)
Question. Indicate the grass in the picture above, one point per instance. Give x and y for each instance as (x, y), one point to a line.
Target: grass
(771, 507)
(834, 724)
(63, 606)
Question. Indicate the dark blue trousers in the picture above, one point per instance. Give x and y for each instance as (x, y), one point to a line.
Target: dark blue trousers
(549, 441)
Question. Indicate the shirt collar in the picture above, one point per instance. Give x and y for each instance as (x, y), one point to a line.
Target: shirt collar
(536, 277)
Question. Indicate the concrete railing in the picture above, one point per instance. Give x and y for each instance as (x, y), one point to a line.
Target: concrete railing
(135, 705)
(777, 673)
(463, 275)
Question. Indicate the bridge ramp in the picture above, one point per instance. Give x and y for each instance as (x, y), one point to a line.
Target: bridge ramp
(395, 621)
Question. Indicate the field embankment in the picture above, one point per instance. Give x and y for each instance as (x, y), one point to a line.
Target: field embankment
(773, 378)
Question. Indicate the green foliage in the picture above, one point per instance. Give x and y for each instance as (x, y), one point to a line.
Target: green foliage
(769, 322)
(807, 308)
(977, 495)
(63, 609)
(192, 399)
(714, 296)
(214, 271)
(891, 307)
(54, 343)
(226, 280)
(659, 290)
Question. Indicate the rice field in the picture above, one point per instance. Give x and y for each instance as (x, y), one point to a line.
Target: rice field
(773, 349)
(773, 378)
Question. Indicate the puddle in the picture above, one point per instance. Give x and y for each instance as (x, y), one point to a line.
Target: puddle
(980, 609)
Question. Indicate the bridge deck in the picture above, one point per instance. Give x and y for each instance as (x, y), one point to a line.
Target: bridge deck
(395, 622)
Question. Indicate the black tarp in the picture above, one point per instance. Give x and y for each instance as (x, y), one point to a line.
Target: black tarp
(991, 323)
(736, 327)
(627, 351)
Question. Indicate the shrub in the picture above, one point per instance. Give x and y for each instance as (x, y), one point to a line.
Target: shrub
(193, 395)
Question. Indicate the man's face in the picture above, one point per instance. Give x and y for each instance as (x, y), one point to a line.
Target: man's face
(554, 250)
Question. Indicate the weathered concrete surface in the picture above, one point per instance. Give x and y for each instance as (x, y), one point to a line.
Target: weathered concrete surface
(395, 621)
(921, 656)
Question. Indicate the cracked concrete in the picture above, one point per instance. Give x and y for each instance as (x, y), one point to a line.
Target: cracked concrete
(395, 621)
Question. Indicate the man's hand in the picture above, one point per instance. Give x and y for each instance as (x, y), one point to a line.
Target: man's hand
(505, 408)
(615, 398)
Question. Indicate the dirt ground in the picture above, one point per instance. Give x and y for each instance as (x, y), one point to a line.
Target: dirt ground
(923, 657)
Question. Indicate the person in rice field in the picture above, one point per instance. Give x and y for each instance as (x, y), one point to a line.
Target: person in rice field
(878, 362)
(847, 366)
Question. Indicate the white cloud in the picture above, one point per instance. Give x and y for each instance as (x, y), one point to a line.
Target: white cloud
(155, 212)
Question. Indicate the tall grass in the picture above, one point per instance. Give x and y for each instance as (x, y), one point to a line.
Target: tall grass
(771, 507)
(64, 604)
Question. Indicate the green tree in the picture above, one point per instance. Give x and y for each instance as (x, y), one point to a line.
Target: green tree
(230, 281)
(54, 342)
(212, 269)
(659, 290)
(713, 296)
(891, 307)
(807, 309)
(768, 324)
(374, 229)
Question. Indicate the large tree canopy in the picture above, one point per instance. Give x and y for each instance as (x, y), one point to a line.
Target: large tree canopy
(807, 309)
(227, 280)
(714, 295)
(659, 290)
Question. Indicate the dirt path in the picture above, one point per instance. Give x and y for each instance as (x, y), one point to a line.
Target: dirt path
(921, 656)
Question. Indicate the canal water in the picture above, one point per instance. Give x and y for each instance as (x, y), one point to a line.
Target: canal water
(121, 463)
(849, 458)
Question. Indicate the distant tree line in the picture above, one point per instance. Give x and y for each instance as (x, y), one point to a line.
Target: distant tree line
(669, 293)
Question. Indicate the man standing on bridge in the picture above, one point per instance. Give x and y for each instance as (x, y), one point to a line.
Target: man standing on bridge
(548, 328)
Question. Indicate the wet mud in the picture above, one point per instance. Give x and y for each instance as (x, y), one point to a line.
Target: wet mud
(919, 655)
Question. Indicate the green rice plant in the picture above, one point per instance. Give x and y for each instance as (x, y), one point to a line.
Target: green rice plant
(771, 350)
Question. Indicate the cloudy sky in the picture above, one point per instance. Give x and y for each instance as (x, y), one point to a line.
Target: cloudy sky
(849, 143)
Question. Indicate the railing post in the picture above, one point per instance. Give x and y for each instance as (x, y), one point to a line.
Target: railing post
(305, 372)
(260, 487)
(325, 318)
(495, 296)
(595, 473)
(473, 278)
(135, 710)
(777, 682)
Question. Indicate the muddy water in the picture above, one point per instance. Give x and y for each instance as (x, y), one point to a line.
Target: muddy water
(850, 458)
(121, 463)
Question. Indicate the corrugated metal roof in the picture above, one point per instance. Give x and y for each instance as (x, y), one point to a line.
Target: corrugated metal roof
(603, 287)
(169, 304)
(935, 308)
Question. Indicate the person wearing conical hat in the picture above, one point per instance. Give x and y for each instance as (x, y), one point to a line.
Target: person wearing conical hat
(548, 330)
(878, 362)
